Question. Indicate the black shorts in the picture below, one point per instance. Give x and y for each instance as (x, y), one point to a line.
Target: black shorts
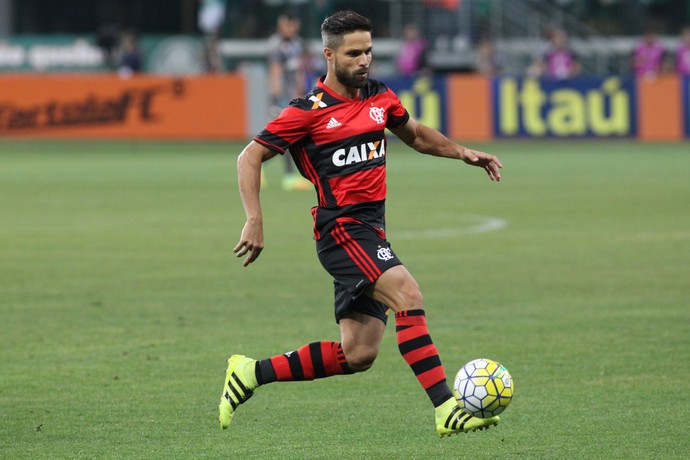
(355, 255)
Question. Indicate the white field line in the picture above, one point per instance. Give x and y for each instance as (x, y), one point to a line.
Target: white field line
(479, 224)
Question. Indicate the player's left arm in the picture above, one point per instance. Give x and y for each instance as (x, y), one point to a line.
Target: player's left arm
(432, 142)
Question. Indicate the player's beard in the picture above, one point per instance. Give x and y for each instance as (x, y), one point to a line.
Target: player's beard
(357, 79)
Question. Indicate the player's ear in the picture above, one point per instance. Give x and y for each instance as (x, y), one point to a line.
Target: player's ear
(328, 54)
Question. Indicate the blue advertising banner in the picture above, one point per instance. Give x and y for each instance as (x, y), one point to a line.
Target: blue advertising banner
(424, 97)
(580, 107)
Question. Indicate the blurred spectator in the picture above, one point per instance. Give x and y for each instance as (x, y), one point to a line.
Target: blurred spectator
(683, 53)
(411, 58)
(287, 58)
(558, 61)
(648, 56)
(130, 55)
(210, 20)
(487, 61)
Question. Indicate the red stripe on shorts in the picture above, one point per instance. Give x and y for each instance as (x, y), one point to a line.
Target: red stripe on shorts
(356, 253)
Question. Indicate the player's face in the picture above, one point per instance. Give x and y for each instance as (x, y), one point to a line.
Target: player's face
(352, 59)
(288, 28)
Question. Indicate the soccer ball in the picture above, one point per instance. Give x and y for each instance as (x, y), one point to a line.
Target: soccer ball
(483, 388)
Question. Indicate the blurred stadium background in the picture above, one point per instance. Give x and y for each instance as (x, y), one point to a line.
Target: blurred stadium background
(253, 18)
(91, 38)
(603, 29)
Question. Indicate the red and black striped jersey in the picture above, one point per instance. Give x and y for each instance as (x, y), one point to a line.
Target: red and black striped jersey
(339, 145)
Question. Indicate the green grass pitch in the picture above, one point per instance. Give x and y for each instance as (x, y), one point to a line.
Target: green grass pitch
(120, 301)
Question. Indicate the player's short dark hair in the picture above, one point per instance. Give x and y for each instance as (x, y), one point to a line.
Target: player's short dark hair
(339, 24)
(289, 16)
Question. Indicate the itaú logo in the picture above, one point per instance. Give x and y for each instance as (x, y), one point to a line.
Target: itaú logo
(359, 153)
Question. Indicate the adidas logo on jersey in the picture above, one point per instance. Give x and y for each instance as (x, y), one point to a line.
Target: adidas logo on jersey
(333, 123)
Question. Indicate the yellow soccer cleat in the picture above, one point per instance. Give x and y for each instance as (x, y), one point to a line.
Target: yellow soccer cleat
(240, 383)
(292, 182)
(450, 419)
(264, 181)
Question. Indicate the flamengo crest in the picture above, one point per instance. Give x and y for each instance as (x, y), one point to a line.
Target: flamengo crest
(377, 114)
(384, 254)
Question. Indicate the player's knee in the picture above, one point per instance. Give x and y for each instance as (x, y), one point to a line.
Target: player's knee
(408, 296)
(360, 360)
(412, 298)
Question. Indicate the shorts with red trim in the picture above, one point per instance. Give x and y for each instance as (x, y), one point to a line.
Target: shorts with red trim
(355, 255)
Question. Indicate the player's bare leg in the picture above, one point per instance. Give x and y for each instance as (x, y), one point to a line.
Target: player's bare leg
(361, 337)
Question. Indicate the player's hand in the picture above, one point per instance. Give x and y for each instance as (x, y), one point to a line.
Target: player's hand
(251, 243)
(490, 163)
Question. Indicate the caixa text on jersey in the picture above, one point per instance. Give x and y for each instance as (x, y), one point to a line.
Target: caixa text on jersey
(359, 153)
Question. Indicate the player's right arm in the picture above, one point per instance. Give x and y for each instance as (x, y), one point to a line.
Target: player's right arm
(249, 179)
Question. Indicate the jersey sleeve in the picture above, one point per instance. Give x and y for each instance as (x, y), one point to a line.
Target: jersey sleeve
(397, 114)
(291, 126)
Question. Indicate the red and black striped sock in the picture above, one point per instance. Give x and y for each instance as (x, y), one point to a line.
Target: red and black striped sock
(316, 360)
(420, 353)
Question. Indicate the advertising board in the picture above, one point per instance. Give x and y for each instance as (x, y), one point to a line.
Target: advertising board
(106, 106)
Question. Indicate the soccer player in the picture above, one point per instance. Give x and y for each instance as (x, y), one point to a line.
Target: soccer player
(648, 56)
(335, 133)
(287, 77)
(559, 61)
